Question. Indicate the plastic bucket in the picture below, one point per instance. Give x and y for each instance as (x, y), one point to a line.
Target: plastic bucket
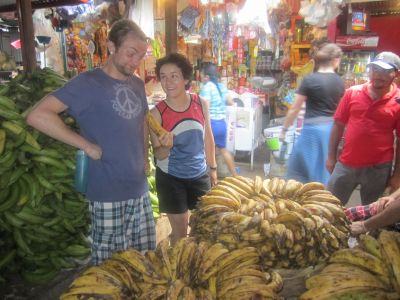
(272, 138)
(275, 145)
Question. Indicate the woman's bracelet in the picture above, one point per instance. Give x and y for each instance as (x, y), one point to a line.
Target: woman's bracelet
(284, 129)
(212, 168)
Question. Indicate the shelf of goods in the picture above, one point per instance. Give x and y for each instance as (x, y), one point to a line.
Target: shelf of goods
(299, 54)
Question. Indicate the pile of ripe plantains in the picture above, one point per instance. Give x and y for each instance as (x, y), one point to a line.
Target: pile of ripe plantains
(292, 224)
(189, 271)
(371, 271)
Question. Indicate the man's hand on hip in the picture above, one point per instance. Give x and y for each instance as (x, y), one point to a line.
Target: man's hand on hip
(93, 151)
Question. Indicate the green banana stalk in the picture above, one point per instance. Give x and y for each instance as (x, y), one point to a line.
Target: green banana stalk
(2, 140)
(40, 214)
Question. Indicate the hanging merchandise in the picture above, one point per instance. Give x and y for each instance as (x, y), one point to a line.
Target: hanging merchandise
(67, 13)
(240, 51)
(74, 53)
(205, 25)
(320, 12)
(207, 54)
(158, 46)
(141, 12)
(48, 50)
(217, 34)
(254, 12)
(303, 71)
(100, 39)
(187, 18)
(230, 40)
(252, 52)
(226, 23)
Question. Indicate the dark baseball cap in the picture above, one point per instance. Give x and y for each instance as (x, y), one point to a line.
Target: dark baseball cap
(387, 61)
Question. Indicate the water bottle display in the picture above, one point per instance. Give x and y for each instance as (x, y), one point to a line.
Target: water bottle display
(81, 170)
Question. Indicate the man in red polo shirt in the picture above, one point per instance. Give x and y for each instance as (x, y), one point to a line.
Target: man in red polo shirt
(370, 113)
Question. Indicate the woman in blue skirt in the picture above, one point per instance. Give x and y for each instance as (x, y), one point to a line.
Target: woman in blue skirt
(321, 91)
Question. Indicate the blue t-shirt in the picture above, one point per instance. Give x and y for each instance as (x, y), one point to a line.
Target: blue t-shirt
(209, 92)
(110, 113)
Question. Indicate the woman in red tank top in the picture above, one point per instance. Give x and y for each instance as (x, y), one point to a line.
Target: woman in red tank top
(182, 154)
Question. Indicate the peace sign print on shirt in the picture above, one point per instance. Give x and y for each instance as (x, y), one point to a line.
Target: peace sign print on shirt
(126, 103)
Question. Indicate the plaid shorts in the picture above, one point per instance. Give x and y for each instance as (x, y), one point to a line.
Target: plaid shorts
(359, 213)
(120, 225)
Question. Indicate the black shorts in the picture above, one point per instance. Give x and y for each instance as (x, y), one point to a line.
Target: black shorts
(178, 195)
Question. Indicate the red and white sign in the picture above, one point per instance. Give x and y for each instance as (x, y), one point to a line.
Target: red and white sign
(357, 42)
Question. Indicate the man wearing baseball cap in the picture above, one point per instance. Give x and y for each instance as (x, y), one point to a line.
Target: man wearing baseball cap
(387, 61)
(370, 113)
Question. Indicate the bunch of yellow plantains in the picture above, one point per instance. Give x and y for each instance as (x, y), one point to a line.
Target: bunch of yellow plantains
(292, 224)
(369, 271)
(188, 271)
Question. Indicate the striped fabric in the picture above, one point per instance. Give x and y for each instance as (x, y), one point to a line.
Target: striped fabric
(307, 161)
(209, 92)
(120, 225)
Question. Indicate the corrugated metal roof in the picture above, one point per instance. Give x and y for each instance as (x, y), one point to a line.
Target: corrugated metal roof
(9, 5)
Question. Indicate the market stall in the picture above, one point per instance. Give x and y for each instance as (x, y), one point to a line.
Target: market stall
(250, 236)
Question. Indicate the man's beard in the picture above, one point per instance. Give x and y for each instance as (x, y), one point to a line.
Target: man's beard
(123, 70)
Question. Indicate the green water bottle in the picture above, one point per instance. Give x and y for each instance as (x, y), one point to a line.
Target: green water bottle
(81, 170)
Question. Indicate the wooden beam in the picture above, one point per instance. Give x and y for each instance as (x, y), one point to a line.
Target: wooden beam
(43, 4)
(171, 21)
(24, 11)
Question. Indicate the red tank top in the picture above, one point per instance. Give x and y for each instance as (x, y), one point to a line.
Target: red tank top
(171, 118)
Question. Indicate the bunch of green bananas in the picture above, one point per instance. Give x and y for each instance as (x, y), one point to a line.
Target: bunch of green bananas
(26, 89)
(292, 224)
(189, 271)
(151, 180)
(43, 219)
(371, 271)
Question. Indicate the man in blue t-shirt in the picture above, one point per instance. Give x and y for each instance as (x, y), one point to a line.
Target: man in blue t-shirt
(109, 104)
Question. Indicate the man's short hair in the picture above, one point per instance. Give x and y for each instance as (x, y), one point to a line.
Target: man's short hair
(121, 28)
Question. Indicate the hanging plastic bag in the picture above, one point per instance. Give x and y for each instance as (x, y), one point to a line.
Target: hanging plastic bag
(206, 27)
(187, 18)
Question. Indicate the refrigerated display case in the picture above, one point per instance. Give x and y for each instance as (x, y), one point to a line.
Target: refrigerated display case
(358, 52)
